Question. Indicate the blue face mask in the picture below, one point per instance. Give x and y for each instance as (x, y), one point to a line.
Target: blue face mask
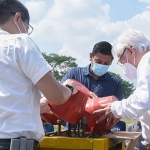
(99, 69)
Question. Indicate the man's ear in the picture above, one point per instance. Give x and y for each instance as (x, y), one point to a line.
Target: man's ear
(91, 56)
(112, 59)
(17, 17)
(131, 50)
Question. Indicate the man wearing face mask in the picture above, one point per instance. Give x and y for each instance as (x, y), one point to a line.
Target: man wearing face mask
(129, 70)
(95, 76)
(24, 75)
(133, 51)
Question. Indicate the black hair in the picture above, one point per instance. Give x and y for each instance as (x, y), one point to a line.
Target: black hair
(102, 47)
(10, 7)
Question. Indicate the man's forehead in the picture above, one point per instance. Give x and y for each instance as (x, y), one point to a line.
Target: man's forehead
(103, 57)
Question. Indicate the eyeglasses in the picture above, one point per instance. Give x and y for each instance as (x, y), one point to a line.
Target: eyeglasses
(118, 62)
(30, 29)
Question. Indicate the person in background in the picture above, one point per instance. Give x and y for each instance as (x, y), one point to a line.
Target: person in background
(23, 74)
(119, 126)
(133, 51)
(95, 76)
(136, 127)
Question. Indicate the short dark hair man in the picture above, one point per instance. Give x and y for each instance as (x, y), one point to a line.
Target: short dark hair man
(95, 76)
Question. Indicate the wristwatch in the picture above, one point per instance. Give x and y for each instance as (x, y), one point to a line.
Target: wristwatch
(70, 87)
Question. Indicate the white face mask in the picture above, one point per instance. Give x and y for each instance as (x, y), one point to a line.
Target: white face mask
(19, 28)
(129, 70)
(99, 69)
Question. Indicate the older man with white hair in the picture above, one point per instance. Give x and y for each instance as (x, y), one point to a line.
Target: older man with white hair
(133, 51)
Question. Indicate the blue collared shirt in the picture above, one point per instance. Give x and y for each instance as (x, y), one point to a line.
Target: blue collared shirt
(106, 85)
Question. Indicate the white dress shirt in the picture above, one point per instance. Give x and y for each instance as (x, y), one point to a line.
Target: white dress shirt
(137, 105)
(21, 67)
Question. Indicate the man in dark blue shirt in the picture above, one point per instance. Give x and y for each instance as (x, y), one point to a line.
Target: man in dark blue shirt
(95, 76)
(119, 126)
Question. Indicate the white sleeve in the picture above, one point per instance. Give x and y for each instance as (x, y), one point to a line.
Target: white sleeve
(30, 59)
(145, 122)
(139, 102)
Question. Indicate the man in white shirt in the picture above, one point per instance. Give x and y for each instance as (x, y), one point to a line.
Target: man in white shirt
(133, 51)
(23, 74)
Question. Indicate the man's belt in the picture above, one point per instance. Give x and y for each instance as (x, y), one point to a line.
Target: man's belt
(20, 143)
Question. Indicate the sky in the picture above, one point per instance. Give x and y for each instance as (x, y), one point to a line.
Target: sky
(72, 27)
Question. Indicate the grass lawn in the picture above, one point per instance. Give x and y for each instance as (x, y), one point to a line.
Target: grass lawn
(128, 121)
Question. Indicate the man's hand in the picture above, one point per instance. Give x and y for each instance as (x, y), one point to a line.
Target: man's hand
(106, 111)
(71, 83)
(145, 144)
(44, 107)
(93, 95)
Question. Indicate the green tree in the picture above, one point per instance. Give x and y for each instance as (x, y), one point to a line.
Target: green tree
(127, 87)
(60, 64)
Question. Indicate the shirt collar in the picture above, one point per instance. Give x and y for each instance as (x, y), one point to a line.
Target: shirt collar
(3, 32)
(107, 76)
(87, 70)
(104, 77)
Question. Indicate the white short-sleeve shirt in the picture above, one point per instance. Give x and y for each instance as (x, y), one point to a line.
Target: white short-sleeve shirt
(21, 67)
